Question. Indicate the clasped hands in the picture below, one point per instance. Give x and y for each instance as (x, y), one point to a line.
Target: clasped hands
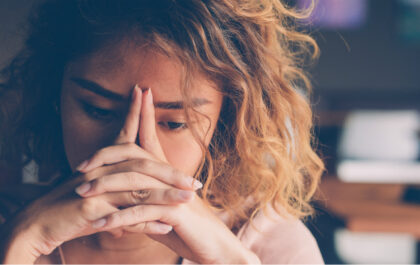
(152, 197)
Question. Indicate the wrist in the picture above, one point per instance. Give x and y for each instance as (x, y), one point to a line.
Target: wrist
(21, 248)
(249, 257)
(242, 256)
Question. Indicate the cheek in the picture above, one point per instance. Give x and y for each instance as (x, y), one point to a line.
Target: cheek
(81, 136)
(182, 151)
(183, 154)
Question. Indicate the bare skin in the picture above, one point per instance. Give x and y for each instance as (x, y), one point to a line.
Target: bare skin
(150, 70)
(140, 147)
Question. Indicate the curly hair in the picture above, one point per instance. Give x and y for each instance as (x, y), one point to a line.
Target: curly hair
(263, 146)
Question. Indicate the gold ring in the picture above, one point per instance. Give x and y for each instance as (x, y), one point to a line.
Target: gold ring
(141, 195)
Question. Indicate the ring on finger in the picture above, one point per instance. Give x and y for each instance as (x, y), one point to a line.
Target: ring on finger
(141, 195)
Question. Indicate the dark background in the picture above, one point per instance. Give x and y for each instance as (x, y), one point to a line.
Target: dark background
(369, 67)
(368, 63)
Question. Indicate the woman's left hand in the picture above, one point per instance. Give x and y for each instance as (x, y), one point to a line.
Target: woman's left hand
(198, 234)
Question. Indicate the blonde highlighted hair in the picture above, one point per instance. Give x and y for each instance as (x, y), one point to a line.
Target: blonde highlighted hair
(262, 147)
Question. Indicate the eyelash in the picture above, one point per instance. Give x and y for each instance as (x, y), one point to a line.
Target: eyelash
(107, 115)
(98, 113)
(173, 126)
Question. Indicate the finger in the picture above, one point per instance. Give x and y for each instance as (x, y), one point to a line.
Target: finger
(133, 215)
(152, 196)
(156, 228)
(135, 174)
(94, 208)
(147, 131)
(124, 181)
(128, 133)
(114, 154)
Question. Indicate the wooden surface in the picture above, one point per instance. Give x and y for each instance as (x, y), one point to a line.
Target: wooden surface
(370, 207)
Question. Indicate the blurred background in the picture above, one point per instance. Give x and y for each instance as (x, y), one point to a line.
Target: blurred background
(366, 100)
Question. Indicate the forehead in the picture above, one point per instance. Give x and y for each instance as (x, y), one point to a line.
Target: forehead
(119, 67)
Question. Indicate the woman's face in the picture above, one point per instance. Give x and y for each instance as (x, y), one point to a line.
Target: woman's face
(95, 98)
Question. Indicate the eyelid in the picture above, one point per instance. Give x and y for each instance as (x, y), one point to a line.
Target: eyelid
(107, 116)
(181, 128)
(93, 105)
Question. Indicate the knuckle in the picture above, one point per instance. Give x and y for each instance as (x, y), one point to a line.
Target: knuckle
(176, 174)
(97, 154)
(170, 195)
(137, 211)
(131, 179)
(143, 164)
(114, 220)
(147, 164)
(48, 243)
(100, 153)
(86, 177)
(140, 226)
(88, 206)
(99, 185)
(135, 164)
(145, 226)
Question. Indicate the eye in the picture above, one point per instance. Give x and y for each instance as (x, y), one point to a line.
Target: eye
(173, 126)
(98, 113)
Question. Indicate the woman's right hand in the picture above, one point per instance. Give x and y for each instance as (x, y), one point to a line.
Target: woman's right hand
(63, 215)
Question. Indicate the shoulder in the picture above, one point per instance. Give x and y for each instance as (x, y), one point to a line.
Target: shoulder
(277, 239)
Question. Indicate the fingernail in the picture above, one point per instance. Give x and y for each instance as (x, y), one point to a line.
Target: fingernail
(149, 95)
(82, 165)
(89, 167)
(196, 184)
(164, 228)
(134, 94)
(185, 194)
(82, 189)
(99, 223)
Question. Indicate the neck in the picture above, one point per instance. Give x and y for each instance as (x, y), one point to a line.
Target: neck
(127, 242)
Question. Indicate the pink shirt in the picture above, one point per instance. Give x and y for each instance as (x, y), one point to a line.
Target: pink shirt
(279, 240)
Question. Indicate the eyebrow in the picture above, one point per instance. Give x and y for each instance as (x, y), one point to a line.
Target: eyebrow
(196, 102)
(97, 89)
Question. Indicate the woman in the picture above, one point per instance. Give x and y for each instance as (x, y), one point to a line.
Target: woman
(168, 131)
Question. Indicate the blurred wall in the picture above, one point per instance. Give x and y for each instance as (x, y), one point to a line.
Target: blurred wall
(368, 63)
(12, 15)
(368, 67)
(377, 57)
